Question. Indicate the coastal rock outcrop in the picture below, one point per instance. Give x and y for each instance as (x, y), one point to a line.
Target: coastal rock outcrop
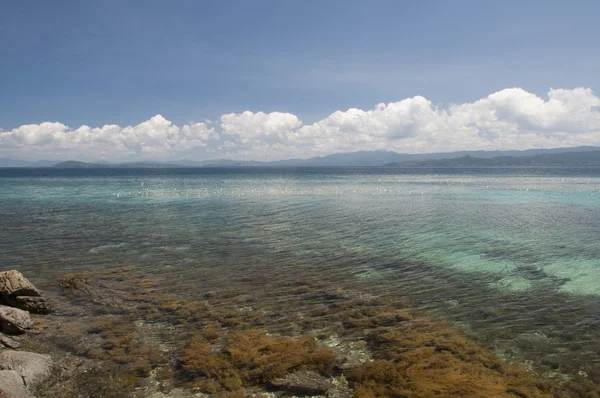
(12, 385)
(14, 320)
(20, 371)
(17, 291)
(32, 368)
(9, 341)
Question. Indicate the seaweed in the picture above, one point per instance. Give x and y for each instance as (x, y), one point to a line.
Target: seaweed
(240, 343)
(420, 358)
(250, 357)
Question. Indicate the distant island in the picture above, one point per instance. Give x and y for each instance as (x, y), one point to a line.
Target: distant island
(559, 159)
(72, 164)
(576, 156)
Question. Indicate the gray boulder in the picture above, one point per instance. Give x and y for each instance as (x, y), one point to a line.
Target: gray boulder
(12, 385)
(17, 291)
(13, 283)
(9, 341)
(37, 305)
(14, 320)
(32, 368)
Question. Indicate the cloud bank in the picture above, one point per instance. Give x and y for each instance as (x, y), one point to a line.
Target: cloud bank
(509, 119)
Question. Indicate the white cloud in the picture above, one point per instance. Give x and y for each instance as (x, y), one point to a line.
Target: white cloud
(508, 119)
(566, 111)
(249, 127)
(373, 129)
(156, 137)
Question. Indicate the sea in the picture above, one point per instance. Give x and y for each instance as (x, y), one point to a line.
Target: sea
(512, 255)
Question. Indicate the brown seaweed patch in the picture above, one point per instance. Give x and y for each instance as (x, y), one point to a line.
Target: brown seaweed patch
(251, 357)
(262, 357)
(374, 317)
(213, 371)
(231, 354)
(423, 359)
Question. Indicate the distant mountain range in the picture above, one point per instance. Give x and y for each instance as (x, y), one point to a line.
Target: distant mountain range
(591, 158)
(584, 155)
(24, 163)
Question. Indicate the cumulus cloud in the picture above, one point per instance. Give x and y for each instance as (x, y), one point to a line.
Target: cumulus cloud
(508, 119)
(249, 127)
(147, 140)
(374, 129)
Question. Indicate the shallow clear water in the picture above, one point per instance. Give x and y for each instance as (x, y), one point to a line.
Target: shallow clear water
(511, 254)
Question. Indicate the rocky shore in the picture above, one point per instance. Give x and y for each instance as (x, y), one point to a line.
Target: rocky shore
(21, 372)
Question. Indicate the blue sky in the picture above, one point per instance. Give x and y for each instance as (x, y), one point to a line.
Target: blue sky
(123, 62)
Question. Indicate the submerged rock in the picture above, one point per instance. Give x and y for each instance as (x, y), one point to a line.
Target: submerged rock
(311, 383)
(14, 320)
(308, 383)
(340, 388)
(17, 291)
(351, 354)
(314, 384)
(32, 368)
(76, 284)
(109, 292)
(12, 385)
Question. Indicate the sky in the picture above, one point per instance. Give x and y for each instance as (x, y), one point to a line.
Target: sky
(122, 80)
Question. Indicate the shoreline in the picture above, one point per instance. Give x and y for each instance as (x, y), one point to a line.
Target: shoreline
(146, 340)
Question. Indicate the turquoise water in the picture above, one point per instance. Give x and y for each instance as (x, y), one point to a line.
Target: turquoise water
(508, 253)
